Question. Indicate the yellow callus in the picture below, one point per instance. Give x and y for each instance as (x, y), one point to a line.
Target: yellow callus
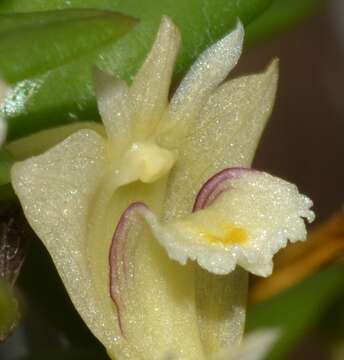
(230, 234)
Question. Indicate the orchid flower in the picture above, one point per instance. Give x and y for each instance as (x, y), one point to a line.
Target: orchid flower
(153, 254)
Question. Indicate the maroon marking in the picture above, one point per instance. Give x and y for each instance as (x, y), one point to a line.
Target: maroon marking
(216, 185)
(117, 259)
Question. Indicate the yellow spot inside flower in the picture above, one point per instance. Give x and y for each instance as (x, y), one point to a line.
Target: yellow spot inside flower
(230, 235)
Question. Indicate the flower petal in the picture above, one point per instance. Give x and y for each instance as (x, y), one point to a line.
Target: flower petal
(55, 190)
(153, 294)
(138, 263)
(114, 104)
(221, 308)
(209, 70)
(245, 225)
(150, 87)
(225, 135)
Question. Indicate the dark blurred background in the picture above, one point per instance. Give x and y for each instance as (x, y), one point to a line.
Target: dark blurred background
(304, 141)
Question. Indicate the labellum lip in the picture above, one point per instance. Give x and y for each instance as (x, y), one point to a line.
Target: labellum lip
(124, 240)
(118, 254)
(118, 260)
(216, 185)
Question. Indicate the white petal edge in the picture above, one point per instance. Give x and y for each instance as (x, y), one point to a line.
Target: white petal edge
(255, 346)
(209, 70)
(270, 210)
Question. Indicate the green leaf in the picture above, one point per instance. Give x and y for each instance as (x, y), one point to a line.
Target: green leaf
(39, 142)
(9, 313)
(32, 43)
(65, 94)
(298, 309)
(280, 16)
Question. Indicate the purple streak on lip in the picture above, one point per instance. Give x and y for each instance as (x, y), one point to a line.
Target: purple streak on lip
(216, 185)
(117, 258)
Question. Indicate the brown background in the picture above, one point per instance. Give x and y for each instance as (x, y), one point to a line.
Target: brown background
(304, 141)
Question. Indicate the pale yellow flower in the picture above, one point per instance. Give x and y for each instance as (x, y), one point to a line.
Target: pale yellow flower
(115, 208)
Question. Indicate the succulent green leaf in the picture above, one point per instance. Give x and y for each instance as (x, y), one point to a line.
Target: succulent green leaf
(65, 94)
(297, 309)
(33, 43)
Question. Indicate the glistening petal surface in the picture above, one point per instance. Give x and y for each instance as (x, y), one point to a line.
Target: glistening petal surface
(55, 190)
(208, 71)
(246, 225)
(155, 294)
(114, 105)
(225, 135)
(221, 308)
(151, 84)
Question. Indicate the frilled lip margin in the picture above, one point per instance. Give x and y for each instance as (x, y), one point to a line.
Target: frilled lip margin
(125, 235)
